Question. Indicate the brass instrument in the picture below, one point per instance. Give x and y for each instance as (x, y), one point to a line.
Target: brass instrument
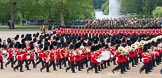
(48, 57)
(142, 43)
(133, 47)
(121, 50)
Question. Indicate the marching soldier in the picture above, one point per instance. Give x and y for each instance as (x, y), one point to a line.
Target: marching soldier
(145, 58)
(46, 58)
(120, 57)
(52, 56)
(24, 53)
(31, 56)
(93, 60)
(10, 56)
(1, 58)
(19, 58)
(71, 58)
(40, 55)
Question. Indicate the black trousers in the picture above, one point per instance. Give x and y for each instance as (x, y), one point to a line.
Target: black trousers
(86, 62)
(59, 62)
(131, 60)
(10, 60)
(120, 66)
(33, 62)
(145, 67)
(20, 64)
(136, 60)
(64, 61)
(52, 63)
(140, 57)
(158, 60)
(127, 65)
(78, 65)
(40, 60)
(72, 66)
(26, 64)
(93, 66)
(1, 61)
(114, 61)
(46, 66)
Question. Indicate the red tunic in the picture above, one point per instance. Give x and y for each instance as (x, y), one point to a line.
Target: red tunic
(58, 54)
(145, 58)
(9, 50)
(51, 56)
(78, 57)
(1, 58)
(71, 57)
(31, 55)
(120, 58)
(44, 57)
(19, 57)
(24, 55)
(40, 54)
(140, 50)
(93, 58)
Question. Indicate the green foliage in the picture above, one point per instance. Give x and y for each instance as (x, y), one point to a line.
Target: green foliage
(105, 8)
(31, 27)
(98, 3)
(143, 7)
(45, 9)
(157, 12)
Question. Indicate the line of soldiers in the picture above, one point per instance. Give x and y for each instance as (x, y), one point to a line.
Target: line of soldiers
(81, 51)
(149, 52)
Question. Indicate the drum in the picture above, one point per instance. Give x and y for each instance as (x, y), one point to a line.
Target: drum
(4, 51)
(105, 55)
(99, 60)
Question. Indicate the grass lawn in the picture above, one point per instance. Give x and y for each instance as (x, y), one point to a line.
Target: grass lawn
(21, 27)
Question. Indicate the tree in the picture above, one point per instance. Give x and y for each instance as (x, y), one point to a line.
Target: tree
(98, 3)
(157, 12)
(105, 8)
(13, 11)
(58, 10)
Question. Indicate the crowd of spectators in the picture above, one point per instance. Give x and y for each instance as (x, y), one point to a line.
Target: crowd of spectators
(124, 23)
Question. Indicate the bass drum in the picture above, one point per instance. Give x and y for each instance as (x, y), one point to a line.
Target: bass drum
(105, 55)
(4, 51)
(99, 60)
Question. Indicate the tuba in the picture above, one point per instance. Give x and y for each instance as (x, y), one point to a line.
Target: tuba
(121, 50)
(142, 43)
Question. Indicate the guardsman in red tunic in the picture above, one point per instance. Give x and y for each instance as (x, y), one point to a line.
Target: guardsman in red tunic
(19, 58)
(40, 55)
(63, 56)
(120, 60)
(10, 56)
(24, 53)
(145, 59)
(1, 58)
(31, 56)
(52, 56)
(140, 53)
(93, 60)
(59, 56)
(46, 59)
(78, 59)
(71, 58)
